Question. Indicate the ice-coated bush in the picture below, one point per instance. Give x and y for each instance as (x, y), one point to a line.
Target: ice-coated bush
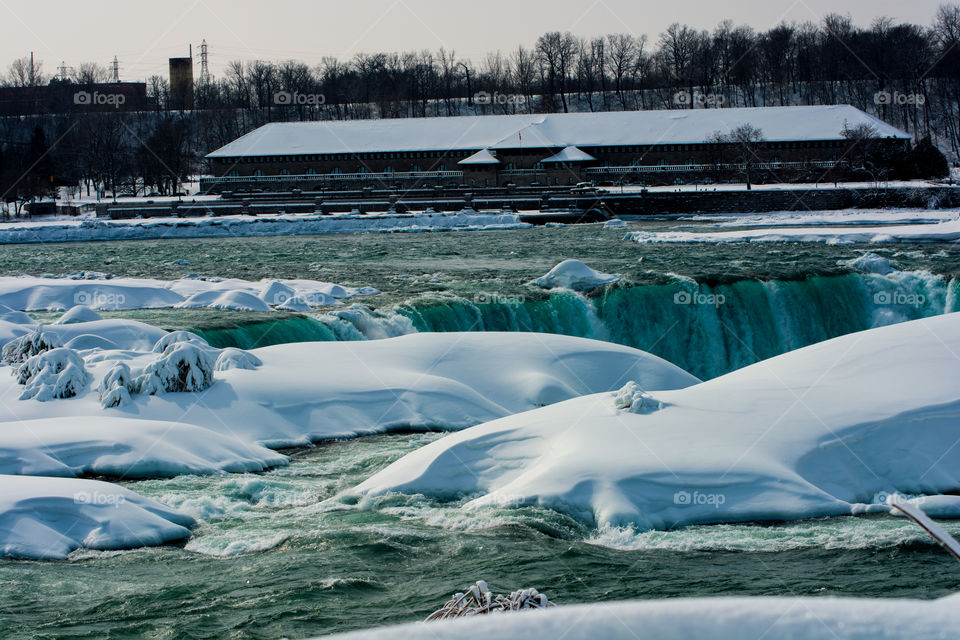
(232, 358)
(57, 373)
(115, 387)
(25, 347)
(175, 337)
(183, 366)
(479, 600)
(635, 400)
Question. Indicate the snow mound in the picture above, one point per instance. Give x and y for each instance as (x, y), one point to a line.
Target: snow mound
(183, 366)
(25, 347)
(224, 300)
(77, 314)
(125, 447)
(810, 618)
(872, 263)
(58, 373)
(232, 358)
(294, 303)
(573, 274)
(805, 434)
(15, 317)
(616, 223)
(47, 518)
(176, 337)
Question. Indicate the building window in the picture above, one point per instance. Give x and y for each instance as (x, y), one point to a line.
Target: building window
(310, 171)
(336, 171)
(388, 169)
(284, 172)
(233, 173)
(415, 168)
(258, 173)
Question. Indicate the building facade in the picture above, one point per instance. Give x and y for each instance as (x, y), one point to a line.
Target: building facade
(651, 147)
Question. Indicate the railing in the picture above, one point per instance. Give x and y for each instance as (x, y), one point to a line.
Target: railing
(341, 177)
(681, 168)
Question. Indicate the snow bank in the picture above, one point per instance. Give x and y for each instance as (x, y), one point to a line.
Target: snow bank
(837, 217)
(311, 391)
(696, 618)
(50, 517)
(265, 225)
(941, 232)
(821, 431)
(103, 292)
(573, 274)
(125, 447)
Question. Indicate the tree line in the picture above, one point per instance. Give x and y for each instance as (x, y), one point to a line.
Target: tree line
(905, 74)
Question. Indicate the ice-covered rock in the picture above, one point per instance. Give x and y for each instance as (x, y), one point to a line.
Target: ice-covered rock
(57, 373)
(183, 366)
(231, 358)
(117, 445)
(573, 274)
(297, 304)
(224, 300)
(615, 223)
(872, 263)
(47, 518)
(815, 432)
(78, 314)
(25, 347)
(275, 293)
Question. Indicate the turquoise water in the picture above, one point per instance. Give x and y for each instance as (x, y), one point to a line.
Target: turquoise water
(280, 555)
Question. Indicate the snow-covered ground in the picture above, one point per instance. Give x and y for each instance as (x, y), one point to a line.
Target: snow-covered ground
(241, 226)
(697, 618)
(948, 231)
(840, 217)
(822, 431)
(102, 292)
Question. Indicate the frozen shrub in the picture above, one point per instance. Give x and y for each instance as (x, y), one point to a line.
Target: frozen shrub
(231, 358)
(175, 337)
(57, 373)
(479, 600)
(183, 366)
(115, 387)
(25, 347)
(635, 400)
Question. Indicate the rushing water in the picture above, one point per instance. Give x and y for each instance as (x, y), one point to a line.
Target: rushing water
(279, 554)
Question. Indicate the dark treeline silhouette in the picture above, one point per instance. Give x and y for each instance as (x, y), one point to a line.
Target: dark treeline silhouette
(905, 74)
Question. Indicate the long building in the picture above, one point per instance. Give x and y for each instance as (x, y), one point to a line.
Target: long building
(804, 142)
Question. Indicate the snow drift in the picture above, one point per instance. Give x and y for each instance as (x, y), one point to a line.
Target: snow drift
(573, 274)
(821, 431)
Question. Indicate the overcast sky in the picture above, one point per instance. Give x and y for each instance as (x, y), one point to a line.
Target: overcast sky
(144, 34)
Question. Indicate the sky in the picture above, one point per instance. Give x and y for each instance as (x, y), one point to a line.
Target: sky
(144, 34)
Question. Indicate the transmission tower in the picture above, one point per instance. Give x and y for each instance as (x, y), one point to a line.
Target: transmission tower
(116, 69)
(204, 62)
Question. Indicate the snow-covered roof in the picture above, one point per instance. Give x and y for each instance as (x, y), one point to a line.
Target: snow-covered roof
(555, 130)
(570, 154)
(481, 157)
